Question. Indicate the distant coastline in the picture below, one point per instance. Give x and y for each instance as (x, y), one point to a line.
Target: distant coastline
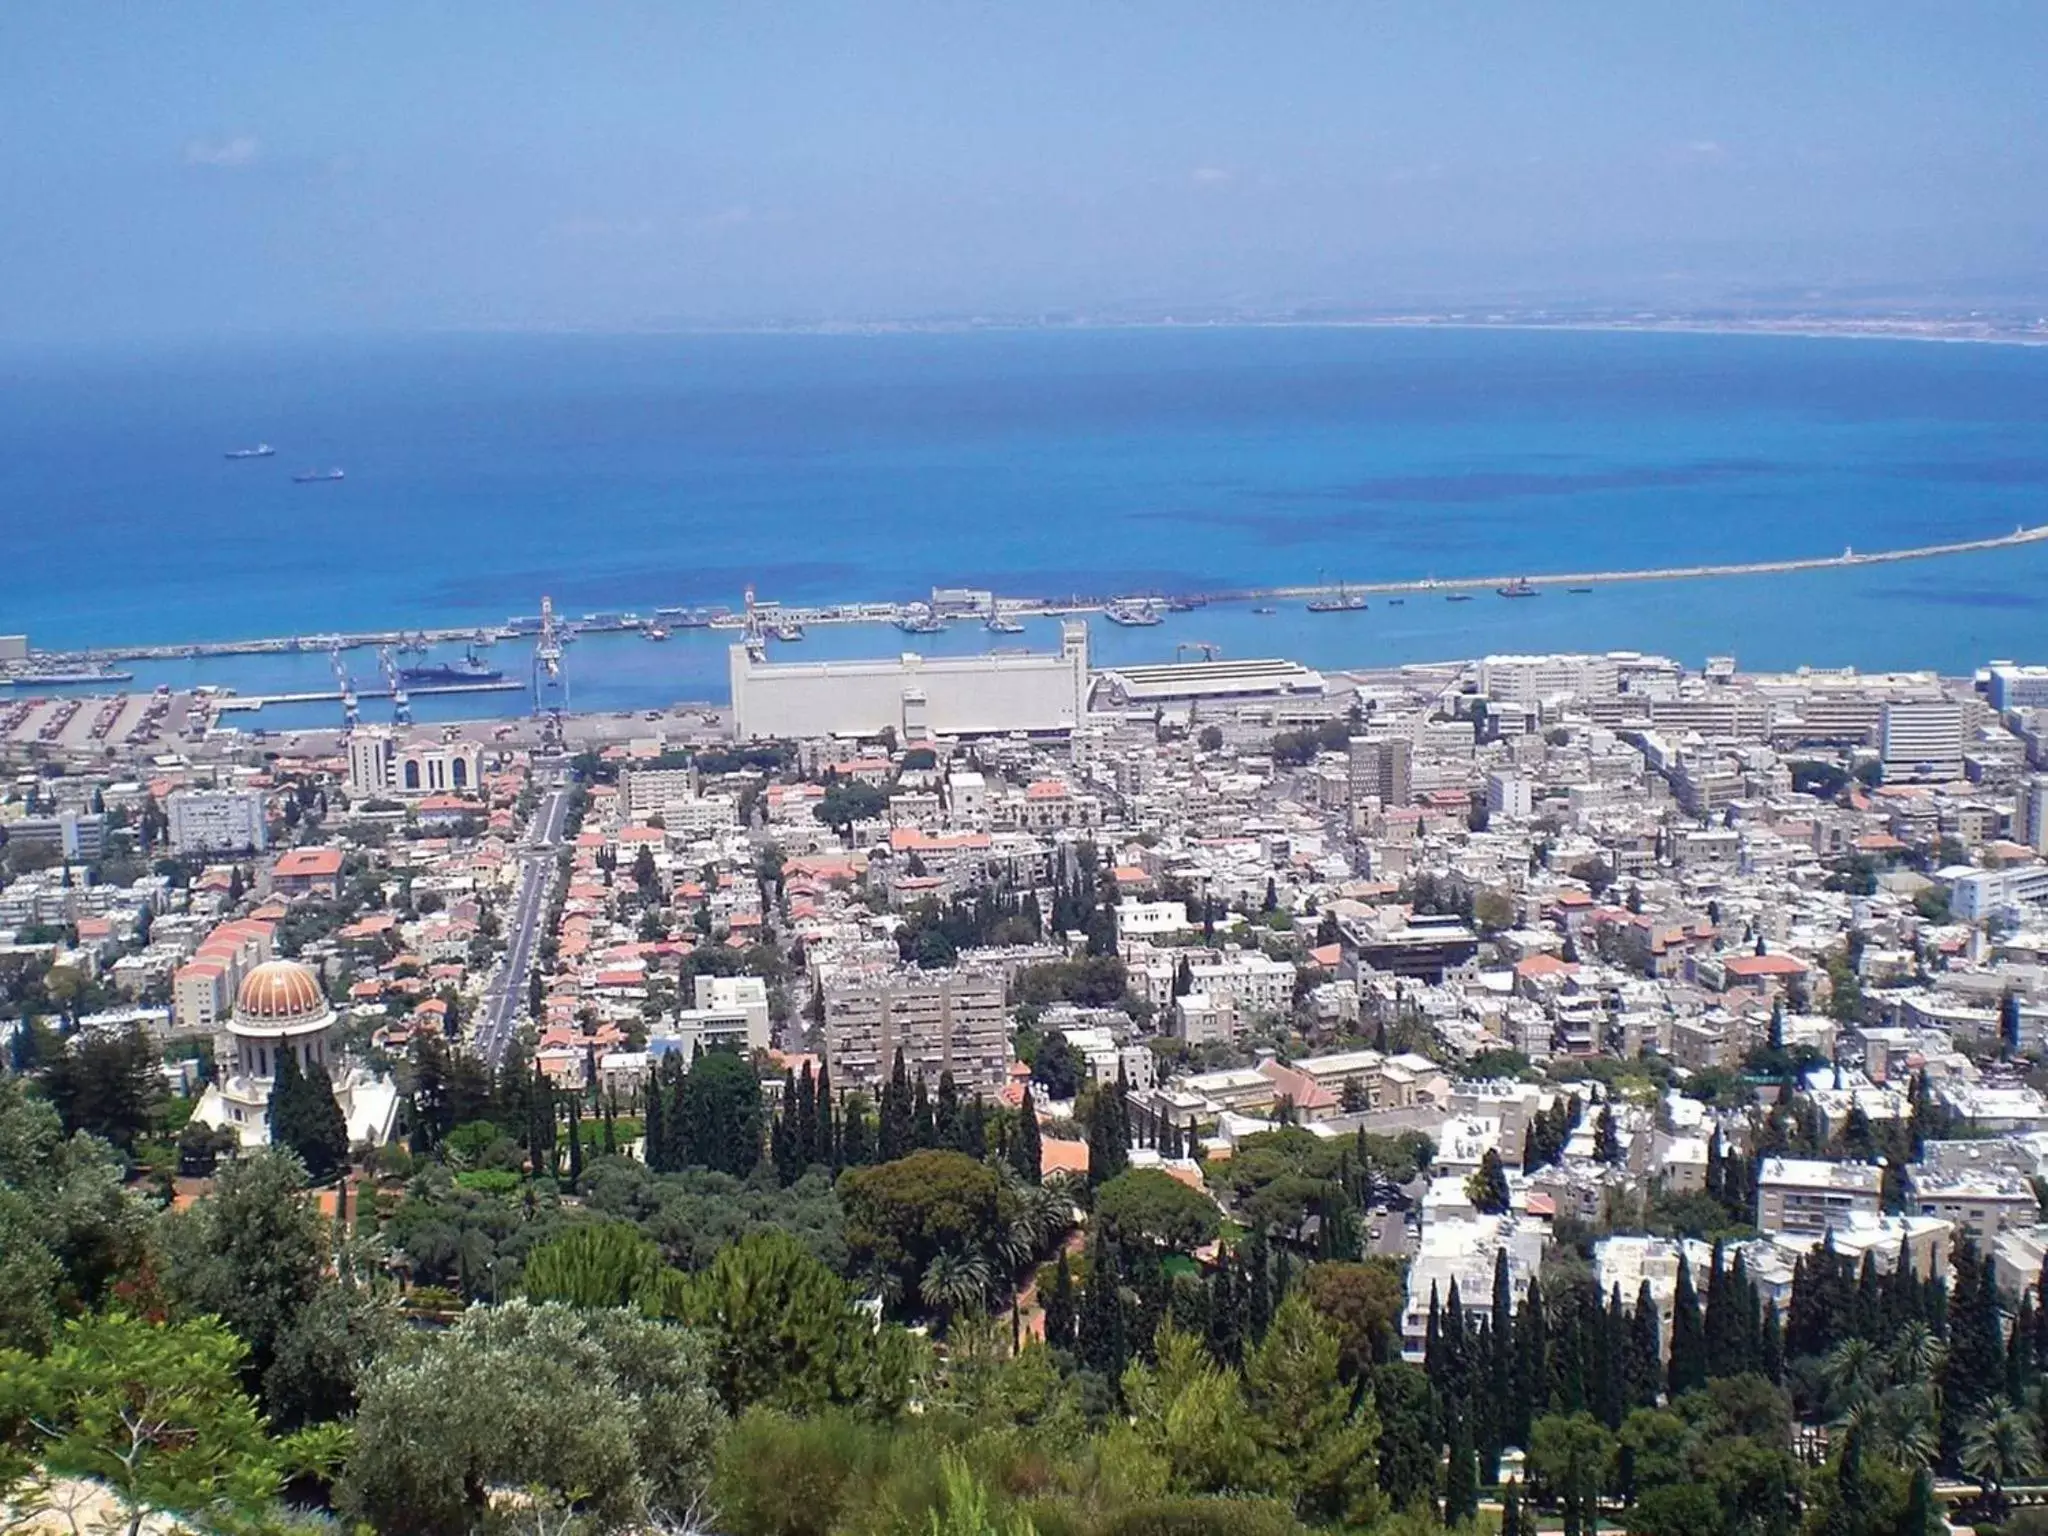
(1875, 326)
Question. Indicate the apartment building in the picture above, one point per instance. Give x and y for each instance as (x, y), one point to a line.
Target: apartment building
(943, 1021)
(1810, 1198)
(217, 821)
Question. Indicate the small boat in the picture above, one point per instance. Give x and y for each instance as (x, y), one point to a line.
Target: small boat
(789, 631)
(655, 632)
(316, 476)
(918, 622)
(1579, 591)
(1264, 612)
(1458, 597)
(1003, 624)
(1133, 613)
(260, 451)
(1396, 602)
(1519, 587)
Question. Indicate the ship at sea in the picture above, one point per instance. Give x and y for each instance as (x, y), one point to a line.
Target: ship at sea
(1134, 613)
(471, 669)
(316, 476)
(920, 621)
(260, 451)
(1519, 587)
(1004, 624)
(1344, 602)
(656, 632)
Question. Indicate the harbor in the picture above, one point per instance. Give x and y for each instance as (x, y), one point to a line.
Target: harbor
(762, 620)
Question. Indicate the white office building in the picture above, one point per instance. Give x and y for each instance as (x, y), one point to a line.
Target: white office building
(1921, 742)
(217, 821)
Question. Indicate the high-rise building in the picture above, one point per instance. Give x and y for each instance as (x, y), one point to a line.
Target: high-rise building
(217, 821)
(2030, 816)
(372, 761)
(1921, 741)
(943, 1021)
(1381, 771)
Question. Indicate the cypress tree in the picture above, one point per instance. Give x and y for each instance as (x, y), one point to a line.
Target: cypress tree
(1511, 1510)
(897, 1136)
(782, 1148)
(1434, 1363)
(1645, 1351)
(1720, 1315)
(1258, 1287)
(1500, 1369)
(1226, 1313)
(855, 1144)
(1108, 1147)
(825, 1138)
(924, 1132)
(326, 1146)
(1059, 1307)
(1099, 1329)
(973, 1133)
(681, 1134)
(1026, 1150)
(654, 1131)
(1919, 1519)
(805, 1141)
(1771, 1347)
(575, 1141)
(946, 1113)
(1607, 1137)
(1461, 1476)
(611, 1130)
(1688, 1336)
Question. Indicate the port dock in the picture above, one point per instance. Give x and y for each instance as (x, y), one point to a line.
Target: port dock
(96, 664)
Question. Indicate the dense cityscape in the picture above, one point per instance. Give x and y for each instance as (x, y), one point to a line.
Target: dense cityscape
(1212, 1095)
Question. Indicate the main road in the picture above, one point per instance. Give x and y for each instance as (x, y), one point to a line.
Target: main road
(498, 1019)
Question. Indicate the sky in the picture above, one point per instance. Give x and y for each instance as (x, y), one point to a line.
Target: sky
(254, 168)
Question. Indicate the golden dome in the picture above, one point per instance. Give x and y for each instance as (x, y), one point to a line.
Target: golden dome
(280, 992)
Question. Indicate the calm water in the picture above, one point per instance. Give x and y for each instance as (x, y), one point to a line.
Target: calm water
(626, 473)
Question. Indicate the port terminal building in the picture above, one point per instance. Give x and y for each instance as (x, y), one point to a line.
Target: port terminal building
(1040, 692)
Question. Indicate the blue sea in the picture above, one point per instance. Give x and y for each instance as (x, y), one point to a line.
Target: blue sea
(634, 472)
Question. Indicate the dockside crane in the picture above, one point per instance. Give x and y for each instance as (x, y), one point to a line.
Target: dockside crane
(347, 686)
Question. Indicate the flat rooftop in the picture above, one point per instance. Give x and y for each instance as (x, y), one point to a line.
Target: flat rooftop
(1167, 681)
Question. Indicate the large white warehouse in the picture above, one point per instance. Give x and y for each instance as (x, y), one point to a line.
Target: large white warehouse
(916, 696)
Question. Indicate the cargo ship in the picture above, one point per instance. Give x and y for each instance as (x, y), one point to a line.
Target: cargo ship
(260, 451)
(316, 476)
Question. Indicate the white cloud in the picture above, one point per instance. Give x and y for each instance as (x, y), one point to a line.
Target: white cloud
(1210, 175)
(226, 154)
(1701, 152)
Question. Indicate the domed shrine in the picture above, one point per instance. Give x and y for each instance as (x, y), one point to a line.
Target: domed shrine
(280, 1008)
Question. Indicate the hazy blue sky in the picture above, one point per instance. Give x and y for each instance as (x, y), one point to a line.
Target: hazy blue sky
(254, 167)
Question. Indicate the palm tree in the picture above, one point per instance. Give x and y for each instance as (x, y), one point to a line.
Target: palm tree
(1916, 1354)
(953, 1283)
(1854, 1372)
(1900, 1425)
(1998, 1448)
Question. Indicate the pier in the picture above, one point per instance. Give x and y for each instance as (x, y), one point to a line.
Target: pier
(99, 659)
(230, 703)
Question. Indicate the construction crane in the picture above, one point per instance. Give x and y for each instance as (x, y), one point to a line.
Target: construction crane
(401, 701)
(550, 684)
(1207, 650)
(347, 687)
